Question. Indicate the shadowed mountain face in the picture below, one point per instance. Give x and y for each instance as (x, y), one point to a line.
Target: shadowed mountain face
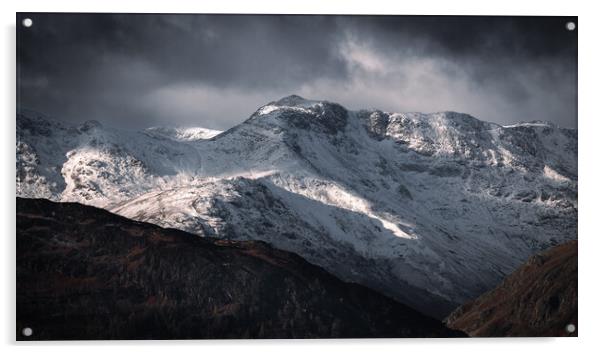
(84, 273)
(538, 299)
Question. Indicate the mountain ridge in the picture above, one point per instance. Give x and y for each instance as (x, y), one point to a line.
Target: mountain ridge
(84, 273)
(419, 206)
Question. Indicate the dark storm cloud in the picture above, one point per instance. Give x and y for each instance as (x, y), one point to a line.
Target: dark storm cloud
(467, 36)
(141, 70)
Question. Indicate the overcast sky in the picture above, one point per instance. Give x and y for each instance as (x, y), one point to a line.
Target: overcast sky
(136, 71)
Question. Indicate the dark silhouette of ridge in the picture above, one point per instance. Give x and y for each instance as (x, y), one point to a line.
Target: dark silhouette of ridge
(84, 273)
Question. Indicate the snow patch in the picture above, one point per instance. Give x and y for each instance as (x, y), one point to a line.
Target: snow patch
(551, 174)
(267, 109)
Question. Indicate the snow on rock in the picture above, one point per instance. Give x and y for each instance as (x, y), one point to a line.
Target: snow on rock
(432, 209)
(182, 134)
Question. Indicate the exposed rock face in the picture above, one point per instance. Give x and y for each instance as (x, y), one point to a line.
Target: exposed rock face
(84, 273)
(323, 117)
(538, 299)
(431, 209)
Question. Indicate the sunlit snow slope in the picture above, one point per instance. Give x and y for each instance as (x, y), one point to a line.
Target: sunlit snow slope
(433, 209)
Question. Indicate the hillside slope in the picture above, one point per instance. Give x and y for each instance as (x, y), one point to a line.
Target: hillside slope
(84, 273)
(538, 299)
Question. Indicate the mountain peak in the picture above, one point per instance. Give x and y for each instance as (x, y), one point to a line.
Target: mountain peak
(292, 100)
(306, 114)
(89, 125)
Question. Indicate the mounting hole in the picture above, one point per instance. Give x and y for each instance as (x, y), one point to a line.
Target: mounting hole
(27, 22)
(570, 328)
(27, 331)
(571, 26)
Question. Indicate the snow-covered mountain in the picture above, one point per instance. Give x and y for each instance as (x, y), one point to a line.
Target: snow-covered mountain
(432, 209)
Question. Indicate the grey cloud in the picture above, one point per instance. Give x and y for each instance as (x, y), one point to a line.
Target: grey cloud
(215, 70)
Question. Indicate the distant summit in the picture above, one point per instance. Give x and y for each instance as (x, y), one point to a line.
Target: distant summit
(292, 100)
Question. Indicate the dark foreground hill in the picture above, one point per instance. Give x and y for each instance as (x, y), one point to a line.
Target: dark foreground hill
(538, 299)
(84, 273)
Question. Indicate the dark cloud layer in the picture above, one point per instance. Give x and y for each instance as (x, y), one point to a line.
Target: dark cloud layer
(215, 70)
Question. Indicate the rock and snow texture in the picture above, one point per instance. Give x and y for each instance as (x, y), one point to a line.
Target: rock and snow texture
(432, 209)
(183, 134)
